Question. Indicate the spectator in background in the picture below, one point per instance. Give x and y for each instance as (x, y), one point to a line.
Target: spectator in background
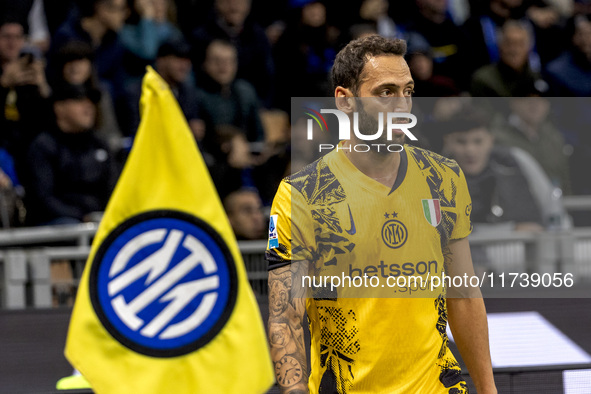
(512, 73)
(245, 213)
(375, 13)
(12, 210)
(224, 99)
(420, 62)
(98, 26)
(446, 40)
(23, 92)
(546, 17)
(528, 127)
(570, 74)
(497, 185)
(74, 66)
(150, 24)
(71, 172)
(304, 54)
(582, 7)
(31, 14)
(229, 160)
(173, 63)
(272, 163)
(230, 22)
(483, 28)
(362, 30)
(57, 12)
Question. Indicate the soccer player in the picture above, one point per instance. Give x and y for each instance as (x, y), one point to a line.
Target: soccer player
(388, 216)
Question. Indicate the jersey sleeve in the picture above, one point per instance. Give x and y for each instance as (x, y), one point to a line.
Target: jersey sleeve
(290, 230)
(463, 225)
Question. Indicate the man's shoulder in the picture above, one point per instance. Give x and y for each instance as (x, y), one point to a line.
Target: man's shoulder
(558, 66)
(486, 72)
(503, 156)
(245, 90)
(317, 183)
(45, 143)
(425, 158)
(45, 137)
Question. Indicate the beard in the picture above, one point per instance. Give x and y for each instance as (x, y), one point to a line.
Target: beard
(369, 124)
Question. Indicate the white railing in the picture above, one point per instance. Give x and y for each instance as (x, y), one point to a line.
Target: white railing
(25, 274)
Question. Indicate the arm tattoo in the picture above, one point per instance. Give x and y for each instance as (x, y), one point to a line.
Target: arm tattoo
(447, 259)
(286, 334)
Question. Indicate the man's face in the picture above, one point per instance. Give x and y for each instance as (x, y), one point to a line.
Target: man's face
(386, 86)
(532, 110)
(373, 9)
(76, 114)
(174, 68)
(234, 12)
(112, 13)
(314, 14)
(421, 66)
(471, 149)
(77, 71)
(514, 48)
(221, 63)
(245, 214)
(437, 6)
(582, 37)
(12, 40)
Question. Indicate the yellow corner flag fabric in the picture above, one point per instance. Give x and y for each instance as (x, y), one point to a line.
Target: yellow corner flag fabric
(164, 305)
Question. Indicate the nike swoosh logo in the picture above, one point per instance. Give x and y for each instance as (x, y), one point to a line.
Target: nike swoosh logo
(352, 230)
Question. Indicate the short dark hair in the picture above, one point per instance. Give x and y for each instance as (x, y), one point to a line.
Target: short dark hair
(11, 19)
(469, 118)
(348, 65)
(87, 8)
(223, 42)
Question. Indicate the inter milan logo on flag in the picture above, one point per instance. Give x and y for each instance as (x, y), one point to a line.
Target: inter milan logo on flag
(165, 284)
(164, 304)
(432, 211)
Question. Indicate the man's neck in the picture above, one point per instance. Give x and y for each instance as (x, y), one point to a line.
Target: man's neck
(379, 166)
(95, 29)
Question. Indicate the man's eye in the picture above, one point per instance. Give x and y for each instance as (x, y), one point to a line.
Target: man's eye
(409, 92)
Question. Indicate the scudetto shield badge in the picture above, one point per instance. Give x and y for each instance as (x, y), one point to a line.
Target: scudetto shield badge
(432, 211)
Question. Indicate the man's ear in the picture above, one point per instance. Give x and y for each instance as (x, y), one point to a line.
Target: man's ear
(344, 99)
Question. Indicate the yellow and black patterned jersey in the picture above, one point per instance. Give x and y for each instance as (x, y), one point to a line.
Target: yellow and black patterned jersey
(342, 222)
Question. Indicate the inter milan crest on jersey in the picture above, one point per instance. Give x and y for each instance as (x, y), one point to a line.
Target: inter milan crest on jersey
(163, 283)
(432, 211)
(394, 232)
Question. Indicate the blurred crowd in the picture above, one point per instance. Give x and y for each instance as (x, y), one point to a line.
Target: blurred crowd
(70, 81)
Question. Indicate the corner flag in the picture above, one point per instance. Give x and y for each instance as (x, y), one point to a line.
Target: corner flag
(164, 305)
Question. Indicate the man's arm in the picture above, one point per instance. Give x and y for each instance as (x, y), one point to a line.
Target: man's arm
(467, 319)
(286, 334)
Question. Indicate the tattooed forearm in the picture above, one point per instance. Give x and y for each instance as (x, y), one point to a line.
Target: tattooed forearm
(286, 334)
(447, 259)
